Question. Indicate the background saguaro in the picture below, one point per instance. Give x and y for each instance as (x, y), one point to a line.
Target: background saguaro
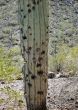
(33, 20)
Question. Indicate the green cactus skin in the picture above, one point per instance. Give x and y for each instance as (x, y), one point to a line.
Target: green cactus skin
(33, 20)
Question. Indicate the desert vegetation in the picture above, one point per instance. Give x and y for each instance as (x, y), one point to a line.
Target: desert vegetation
(62, 54)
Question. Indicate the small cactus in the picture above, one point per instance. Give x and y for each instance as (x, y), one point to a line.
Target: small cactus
(33, 20)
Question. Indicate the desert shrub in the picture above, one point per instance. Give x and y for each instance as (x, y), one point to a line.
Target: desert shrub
(67, 58)
(71, 62)
(58, 59)
(74, 52)
(7, 68)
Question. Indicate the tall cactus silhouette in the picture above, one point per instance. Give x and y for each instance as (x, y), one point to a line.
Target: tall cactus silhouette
(33, 20)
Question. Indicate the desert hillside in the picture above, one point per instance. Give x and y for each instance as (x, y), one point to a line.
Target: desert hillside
(62, 56)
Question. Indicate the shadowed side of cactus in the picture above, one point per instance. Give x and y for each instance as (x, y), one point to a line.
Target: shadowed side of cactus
(33, 21)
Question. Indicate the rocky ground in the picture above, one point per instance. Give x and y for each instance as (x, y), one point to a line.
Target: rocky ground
(12, 96)
(62, 92)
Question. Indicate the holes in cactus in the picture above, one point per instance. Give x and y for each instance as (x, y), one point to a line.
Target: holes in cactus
(33, 77)
(29, 27)
(40, 92)
(37, 49)
(47, 27)
(47, 15)
(29, 48)
(38, 2)
(40, 58)
(38, 64)
(30, 34)
(33, 7)
(76, 104)
(21, 29)
(29, 84)
(40, 72)
(34, 2)
(27, 75)
(24, 37)
(29, 10)
(45, 80)
(21, 10)
(43, 52)
(27, 51)
(47, 32)
(28, 5)
(34, 39)
(25, 93)
(43, 43)
(24, 16)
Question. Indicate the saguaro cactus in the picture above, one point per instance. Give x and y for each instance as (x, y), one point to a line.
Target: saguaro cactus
(34, 46)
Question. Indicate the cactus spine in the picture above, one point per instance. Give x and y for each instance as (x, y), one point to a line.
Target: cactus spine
(33, 20)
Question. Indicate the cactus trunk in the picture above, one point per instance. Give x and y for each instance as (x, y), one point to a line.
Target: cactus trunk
(33, 21)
